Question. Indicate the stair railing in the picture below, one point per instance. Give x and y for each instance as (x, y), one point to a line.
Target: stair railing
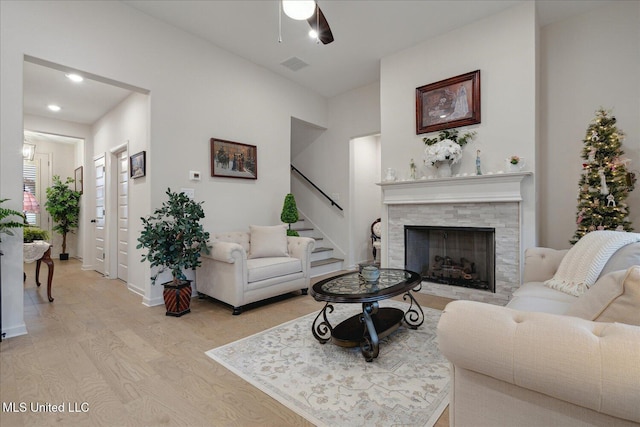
(333, 203)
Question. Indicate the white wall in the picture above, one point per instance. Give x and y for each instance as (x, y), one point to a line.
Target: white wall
(197, 91)
(589, 61)
(326, 162)
(503, 47)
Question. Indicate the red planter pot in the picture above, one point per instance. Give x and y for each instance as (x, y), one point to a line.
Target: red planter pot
(177, 298)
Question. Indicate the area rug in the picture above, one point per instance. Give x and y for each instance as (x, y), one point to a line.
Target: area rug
(407, 385)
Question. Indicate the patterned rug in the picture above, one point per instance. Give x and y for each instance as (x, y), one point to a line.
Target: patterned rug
(407, 385)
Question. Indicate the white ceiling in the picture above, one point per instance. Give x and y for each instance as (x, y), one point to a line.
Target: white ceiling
(364, 30)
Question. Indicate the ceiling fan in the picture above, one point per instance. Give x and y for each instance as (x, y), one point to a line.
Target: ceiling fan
(309, 11)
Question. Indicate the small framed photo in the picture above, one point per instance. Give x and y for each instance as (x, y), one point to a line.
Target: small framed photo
(137, 165)
(233, 159)
(449, 103)
(77, 176)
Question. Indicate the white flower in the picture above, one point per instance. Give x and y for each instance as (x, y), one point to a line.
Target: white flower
(442, 151)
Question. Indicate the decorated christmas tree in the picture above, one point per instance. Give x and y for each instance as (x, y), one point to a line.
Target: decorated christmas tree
(605, 181)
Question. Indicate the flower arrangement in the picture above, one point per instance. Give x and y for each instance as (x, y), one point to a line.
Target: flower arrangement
(514, 160)
(447, 146)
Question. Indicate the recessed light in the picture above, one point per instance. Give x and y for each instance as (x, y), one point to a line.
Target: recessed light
(77, 78)
(54, 107)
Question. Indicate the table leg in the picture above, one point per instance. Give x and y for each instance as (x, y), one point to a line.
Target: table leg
(414, 316)
(46, 258)
(322, 331)
(370, 345)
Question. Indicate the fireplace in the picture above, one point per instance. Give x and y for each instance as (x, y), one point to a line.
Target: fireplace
(486, 202)
(456, 256)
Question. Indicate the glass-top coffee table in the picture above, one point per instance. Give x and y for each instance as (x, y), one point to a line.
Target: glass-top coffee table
(367, 328)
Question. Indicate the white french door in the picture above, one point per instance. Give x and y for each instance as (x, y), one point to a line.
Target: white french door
(99, 214)
(123, 215)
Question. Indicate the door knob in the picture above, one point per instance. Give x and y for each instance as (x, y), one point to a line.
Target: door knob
(93, 220)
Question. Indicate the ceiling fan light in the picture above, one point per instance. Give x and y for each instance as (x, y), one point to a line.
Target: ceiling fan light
(299, 9)
(313, 34)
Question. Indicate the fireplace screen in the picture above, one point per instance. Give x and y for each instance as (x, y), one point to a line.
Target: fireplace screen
(458, 256)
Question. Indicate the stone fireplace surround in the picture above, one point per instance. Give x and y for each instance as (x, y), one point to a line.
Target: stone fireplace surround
(473, 201)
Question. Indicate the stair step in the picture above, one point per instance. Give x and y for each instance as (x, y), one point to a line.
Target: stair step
(303, 229)
(326, 266)
(315, 250)
(325, 262)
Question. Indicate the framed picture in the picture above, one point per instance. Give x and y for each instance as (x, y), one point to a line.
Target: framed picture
(448, 103)
(137, 165)
(77, 175)
(233, 159)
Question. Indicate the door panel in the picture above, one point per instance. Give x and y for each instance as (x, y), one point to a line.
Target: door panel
(99, 219)
(123, 215)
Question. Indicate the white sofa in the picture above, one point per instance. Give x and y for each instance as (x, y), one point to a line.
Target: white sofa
(238, 273)
(532, 364)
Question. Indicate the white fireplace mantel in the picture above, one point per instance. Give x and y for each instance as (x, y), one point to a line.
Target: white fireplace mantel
(503, 187)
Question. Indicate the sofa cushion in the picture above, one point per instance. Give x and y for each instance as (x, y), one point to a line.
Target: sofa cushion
(581, 266)
(624, 257)
(615, 297)
(268, 241)
(267, 268)
(535, 296)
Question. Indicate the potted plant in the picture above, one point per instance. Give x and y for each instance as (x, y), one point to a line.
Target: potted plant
(289, 214)
(6, 223)
(63, 204)
(174, 239)
(32, 233)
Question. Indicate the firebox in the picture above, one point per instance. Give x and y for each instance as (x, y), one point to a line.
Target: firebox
(457, 256)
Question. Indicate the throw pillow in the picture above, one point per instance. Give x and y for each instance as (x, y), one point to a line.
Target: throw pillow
(582, 265)
(268, 241)
(615, 297)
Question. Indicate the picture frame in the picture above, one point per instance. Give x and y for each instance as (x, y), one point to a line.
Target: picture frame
(77, 176)
(138, 165)
(449, 103)
(233, 159)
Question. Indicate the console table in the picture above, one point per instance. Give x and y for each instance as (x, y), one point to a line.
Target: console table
(39, 252)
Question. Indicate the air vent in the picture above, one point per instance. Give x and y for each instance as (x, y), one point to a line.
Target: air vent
(294, 64)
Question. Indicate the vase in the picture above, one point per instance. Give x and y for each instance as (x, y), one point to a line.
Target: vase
(443, 169)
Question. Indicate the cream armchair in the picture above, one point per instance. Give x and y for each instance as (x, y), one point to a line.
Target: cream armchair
(245, 267)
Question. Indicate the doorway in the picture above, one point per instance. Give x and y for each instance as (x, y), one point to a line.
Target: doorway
(366, 198)
(53, 155)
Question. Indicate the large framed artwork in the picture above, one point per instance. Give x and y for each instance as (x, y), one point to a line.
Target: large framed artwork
(138, 165)
(449, 103)
(233, 159)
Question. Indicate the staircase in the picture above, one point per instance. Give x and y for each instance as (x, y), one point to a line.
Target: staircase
(322, 257)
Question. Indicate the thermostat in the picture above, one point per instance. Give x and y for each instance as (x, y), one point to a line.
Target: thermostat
(194, 175)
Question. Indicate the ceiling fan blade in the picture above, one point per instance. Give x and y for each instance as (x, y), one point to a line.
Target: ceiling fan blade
(319, 23)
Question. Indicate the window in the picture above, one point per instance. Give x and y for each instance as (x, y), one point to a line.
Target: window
(30, 178)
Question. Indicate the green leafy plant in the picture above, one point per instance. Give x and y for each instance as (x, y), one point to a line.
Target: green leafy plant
(289, 214)
(6, 223)
(451, 135)
(63, 204)
(31, 233)
(173, 236)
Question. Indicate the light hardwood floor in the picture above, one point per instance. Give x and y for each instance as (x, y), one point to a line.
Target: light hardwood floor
(133, 366)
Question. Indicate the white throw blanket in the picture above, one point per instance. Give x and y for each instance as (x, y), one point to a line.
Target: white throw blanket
(581, 266)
